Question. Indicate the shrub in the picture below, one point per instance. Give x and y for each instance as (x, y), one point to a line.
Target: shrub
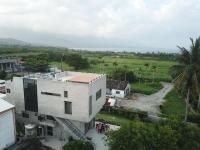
(130, 114)
(78, 145)
(194, 117)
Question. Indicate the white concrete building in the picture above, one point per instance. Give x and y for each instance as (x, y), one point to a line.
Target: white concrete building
(58, 101)
(7, 124)
(116, 88)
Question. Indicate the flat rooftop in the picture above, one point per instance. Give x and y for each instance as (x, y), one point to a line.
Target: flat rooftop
(4, 106)
(67, 76)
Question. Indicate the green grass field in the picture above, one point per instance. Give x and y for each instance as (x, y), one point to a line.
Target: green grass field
(174, 104)
(146, 88)
(136, 64)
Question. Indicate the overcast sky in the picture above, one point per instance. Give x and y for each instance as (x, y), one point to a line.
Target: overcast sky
(102, 23)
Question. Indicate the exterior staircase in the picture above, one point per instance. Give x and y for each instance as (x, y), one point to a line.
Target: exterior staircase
(70, 127)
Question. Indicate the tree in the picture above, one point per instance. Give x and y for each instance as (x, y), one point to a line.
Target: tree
(154, 70)
(78, 145)
(76, 61)
(36, 63)
(186, 72)
(123, 74)
(140, 136)
(3, 75)
(115, 64)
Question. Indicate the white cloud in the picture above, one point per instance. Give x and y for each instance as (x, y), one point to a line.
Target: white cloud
(159, 23)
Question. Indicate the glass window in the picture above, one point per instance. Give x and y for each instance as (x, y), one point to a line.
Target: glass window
(65, 93)
(68, 107)
(117, 92)
(8, 90)
(48, 93)
(90, 105)
(49, 130)
(25, 115)
(98, 94)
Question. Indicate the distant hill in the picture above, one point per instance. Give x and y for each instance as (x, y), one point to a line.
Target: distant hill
(12, 42)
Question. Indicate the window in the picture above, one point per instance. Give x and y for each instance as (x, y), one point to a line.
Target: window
(49, 130)
(90, 105)
(98, 94)
(41, 118)
(117, 92)
(52, 94)
(68, 107)
(50, 118)
(65, 93)
(8, 90)
(25, 115)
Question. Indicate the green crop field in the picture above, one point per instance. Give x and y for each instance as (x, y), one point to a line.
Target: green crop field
(136, 64)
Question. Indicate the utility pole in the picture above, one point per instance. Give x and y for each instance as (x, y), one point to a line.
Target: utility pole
(62, 62)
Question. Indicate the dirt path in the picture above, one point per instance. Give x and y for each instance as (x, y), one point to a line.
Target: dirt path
(149, 103)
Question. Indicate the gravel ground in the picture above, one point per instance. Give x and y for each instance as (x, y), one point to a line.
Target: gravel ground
(149, 103)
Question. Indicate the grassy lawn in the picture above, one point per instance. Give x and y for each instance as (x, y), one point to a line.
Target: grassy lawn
(114, 119)
(147, 89)
(174, 104)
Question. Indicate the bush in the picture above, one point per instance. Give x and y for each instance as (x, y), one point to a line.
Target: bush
(164, 136)
(123, 74)
(78, 145)
(3, 75)
(130, 114)
(194, 117)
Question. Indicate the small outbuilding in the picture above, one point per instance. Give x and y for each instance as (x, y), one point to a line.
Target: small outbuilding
(117, 88)
(7, 124)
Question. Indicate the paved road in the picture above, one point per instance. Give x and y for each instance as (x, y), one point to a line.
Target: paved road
(149, 103)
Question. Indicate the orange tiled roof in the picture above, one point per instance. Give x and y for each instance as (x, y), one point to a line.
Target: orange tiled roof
(83, 79)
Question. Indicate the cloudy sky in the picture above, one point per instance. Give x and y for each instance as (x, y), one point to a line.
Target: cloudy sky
(102, 23)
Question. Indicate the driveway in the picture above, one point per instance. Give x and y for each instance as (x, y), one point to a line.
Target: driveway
(149, 103)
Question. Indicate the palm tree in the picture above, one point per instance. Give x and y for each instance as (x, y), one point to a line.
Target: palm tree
(187, 70)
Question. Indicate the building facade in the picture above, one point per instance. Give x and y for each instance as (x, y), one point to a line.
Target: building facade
(116, 88)
(58, 101)
(10, 65)
(7, 124)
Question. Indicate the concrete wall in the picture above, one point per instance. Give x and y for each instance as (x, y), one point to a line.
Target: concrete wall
(7, 129)
(97, 104)
(54, 105)
(78, 94)
(16, 95)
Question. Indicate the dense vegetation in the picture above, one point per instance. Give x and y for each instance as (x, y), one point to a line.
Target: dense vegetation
(146, 87)
(186, 75)
(3, 75)
(35, 63)
(166, 135)
(78, 145)
(174, 104)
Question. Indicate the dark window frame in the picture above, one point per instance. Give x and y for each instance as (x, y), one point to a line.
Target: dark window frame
(66, 94)
(8, 91)
(98, 94)
(50, 94)
(49, 130)
(90, 104)
(117, 92)
(25, 115)
(68, 111)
